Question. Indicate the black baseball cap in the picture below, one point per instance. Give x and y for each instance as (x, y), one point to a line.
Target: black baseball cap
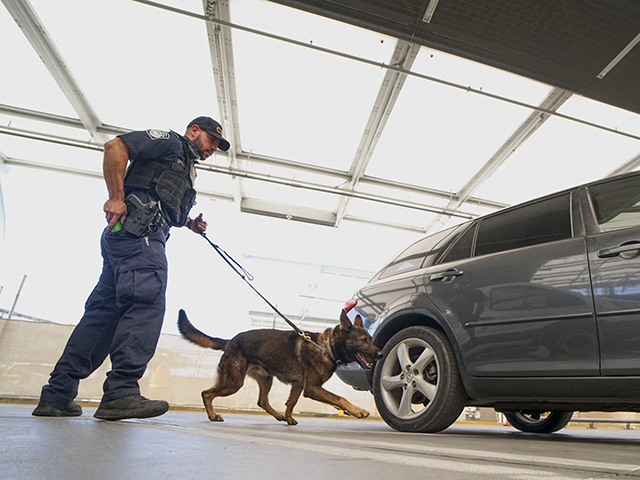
(212, 127)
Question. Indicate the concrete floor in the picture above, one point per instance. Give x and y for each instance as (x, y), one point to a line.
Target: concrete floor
(174, 446)
(185, 445)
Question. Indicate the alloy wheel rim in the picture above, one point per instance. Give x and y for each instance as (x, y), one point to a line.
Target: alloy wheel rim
(409, 378)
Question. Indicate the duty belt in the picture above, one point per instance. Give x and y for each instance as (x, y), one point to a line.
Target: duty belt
(163, 225)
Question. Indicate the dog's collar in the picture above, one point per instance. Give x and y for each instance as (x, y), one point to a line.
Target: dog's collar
(330, 350)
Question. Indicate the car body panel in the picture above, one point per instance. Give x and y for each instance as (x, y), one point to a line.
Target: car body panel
(523, 312)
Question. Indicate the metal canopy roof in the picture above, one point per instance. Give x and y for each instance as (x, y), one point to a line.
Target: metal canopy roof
(583, 46)
(427, 152)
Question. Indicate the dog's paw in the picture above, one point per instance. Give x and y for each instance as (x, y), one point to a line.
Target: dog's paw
(216, 418)
(291, 421)
(360, 413)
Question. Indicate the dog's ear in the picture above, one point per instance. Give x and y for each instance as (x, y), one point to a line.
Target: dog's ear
(358, 321)
(344, 320)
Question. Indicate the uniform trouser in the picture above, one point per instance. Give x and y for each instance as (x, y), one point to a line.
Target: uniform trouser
(122, 318)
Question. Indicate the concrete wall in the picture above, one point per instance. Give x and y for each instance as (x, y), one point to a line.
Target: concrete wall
(178, 372)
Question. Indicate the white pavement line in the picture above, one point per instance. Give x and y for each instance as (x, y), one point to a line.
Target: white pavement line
(465, 454)
(355, 451)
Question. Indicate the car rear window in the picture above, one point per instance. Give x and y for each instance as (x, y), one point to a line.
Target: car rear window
(617, 203)
(462, 248)
(545, 221)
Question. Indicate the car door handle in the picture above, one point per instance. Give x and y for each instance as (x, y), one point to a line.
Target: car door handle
(615, 251)
(454, 272)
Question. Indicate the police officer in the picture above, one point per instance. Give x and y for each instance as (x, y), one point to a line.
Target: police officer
(124, 313)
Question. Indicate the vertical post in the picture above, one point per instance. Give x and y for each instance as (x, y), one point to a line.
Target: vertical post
(4, 324)
(16, 299)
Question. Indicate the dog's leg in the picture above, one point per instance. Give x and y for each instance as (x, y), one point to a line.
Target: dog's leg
(316, 392)
(231, 373)
(264, 384)
(294, 395)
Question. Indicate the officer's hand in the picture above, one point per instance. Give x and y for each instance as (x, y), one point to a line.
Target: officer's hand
(114, 210)
(197, 225)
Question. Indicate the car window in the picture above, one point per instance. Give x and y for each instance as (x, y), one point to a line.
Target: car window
(420, 254)
(617, 203)
(462, 247)
(541, 222)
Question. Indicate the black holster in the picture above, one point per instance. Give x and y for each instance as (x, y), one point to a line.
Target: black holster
(142, 218)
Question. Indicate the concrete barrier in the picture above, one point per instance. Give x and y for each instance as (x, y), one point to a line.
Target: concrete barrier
(178, 372)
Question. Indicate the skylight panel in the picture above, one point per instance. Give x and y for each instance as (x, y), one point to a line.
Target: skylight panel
(560, 155)
(21, 67)
(301, 104)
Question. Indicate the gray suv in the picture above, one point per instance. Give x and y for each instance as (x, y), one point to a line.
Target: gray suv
(533, 311)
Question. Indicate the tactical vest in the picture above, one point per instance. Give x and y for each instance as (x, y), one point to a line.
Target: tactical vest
(173, 188)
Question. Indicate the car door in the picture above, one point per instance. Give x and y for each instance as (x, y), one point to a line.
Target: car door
(614, 259)
(522, 304)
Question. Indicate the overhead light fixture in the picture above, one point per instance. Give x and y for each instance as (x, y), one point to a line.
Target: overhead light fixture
(619, 57)
(430, 9)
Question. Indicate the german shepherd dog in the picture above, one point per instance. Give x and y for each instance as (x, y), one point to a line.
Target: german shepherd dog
(264, 354)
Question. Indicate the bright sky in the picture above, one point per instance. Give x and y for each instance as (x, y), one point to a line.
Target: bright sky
(141, 67)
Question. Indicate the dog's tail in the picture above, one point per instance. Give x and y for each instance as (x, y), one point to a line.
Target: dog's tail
(191, 333)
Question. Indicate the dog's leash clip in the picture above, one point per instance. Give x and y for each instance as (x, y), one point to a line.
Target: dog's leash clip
(305, 335)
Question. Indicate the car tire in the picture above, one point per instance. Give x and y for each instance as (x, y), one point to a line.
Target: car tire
(538, 422)
(416, 384)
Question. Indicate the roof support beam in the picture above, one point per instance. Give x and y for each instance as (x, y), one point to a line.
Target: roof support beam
(295, 166)
(627, 166)
(551, 103)
(366, 179)
(27, 19)
(57, 119)
(316, 187)
(221, 49)
(403, 56)
(9, 161)
(58, 140)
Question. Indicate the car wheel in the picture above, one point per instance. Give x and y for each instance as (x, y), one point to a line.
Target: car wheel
(416, 384)
(538, 422)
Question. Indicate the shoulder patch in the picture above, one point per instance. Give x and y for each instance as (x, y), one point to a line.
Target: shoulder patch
(157, 134)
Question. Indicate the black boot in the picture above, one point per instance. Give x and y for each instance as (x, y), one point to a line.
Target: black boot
(48, 409)
(131, 406)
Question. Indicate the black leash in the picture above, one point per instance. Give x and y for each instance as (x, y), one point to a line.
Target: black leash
(248, 278)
